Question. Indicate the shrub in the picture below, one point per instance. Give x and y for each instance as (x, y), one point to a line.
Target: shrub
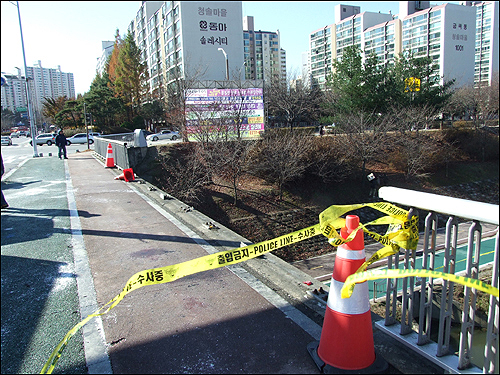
(477, 144)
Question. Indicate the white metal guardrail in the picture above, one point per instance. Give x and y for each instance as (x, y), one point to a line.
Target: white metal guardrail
(420, 296)
(126, 147)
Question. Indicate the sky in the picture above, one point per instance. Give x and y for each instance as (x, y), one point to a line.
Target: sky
(69, 33)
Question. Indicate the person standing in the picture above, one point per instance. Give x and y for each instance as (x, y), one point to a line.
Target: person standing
(61, 143)
(4, 202)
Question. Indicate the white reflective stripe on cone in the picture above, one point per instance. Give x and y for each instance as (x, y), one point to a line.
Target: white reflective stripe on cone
(350, 254)
(359, 302)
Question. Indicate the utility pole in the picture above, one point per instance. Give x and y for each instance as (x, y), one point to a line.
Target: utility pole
(28, 100)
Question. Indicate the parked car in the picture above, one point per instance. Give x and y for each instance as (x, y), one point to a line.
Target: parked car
(46, 138)
(14, 135)
(164, 134)
(6, 140)
(80, 138)
(22, 132)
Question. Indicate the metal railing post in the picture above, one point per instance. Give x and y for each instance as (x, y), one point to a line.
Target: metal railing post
(469, 308)
(446, 311)
(491, 347)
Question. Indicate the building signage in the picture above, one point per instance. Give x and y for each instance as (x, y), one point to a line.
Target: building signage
(211, 22)
(226, 107)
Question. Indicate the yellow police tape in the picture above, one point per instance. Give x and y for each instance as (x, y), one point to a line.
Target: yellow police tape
(402, 233)
(360, 277)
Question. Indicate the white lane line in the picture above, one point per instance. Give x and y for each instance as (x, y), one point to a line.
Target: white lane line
(94, 339)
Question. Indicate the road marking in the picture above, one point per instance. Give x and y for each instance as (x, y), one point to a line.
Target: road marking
(94, 339)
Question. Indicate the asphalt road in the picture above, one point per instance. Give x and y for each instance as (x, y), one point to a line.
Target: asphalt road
(39, 295)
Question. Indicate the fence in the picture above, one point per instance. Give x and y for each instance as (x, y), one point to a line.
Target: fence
(424, 296)
(128, 148)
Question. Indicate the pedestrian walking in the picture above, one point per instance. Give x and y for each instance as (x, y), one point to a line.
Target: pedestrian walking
(374, 185)
(61, 143)
(4, 202)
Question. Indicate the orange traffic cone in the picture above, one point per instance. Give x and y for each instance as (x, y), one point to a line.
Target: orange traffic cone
(110, 161)
(127, 175)
(346, 342)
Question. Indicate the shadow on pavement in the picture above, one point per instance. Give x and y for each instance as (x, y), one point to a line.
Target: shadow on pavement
(26, 284)
(155, 237)
(17, 185)
(16, 229)
(260, 342)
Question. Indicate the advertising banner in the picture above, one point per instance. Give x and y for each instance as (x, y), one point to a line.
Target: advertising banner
(227, 110)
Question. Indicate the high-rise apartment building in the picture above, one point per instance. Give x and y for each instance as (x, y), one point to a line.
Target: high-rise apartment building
(263, 55)
(48, 83)
(327, 44)
(107, 50)
(190, 40)
(461, 39)
(14, 92)
(321, 43)
(306, 69)
(43, 83)
(445, 33)
(384, 41)
(486, 51)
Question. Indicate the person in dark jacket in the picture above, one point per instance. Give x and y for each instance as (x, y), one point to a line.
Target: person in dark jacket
(4, 202)
(61, 143)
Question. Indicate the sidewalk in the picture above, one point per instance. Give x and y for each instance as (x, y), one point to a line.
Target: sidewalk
(253, 317)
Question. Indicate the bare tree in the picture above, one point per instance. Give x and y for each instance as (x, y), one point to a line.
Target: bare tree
(465, 102)
(229, 161)
(281, 156)
(177, 84)
(489, 99)
(219, 128)
(364, 135)
(184, 174)
(329, 160)
(412, 118)
(414, 151)
(292, 104)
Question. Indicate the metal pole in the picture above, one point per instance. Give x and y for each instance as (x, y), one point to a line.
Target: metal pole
(86, 126)
(30, 113)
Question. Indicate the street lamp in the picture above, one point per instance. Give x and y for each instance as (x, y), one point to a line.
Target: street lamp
(227, 62)
(86, 125)
(30, 113)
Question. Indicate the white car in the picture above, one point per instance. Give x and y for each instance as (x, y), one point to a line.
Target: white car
(47, 138)
(6, 140)
(164, 134)
(80, 138)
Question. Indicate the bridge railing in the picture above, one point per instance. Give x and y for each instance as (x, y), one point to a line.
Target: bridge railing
(429, 300)
(128, 148)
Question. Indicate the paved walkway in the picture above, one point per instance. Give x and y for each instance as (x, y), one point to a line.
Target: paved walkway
(73, 237)
(219, 321)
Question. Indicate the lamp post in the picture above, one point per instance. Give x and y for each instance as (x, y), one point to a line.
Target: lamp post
(227, 62)
(30, 113)
(86, 125)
